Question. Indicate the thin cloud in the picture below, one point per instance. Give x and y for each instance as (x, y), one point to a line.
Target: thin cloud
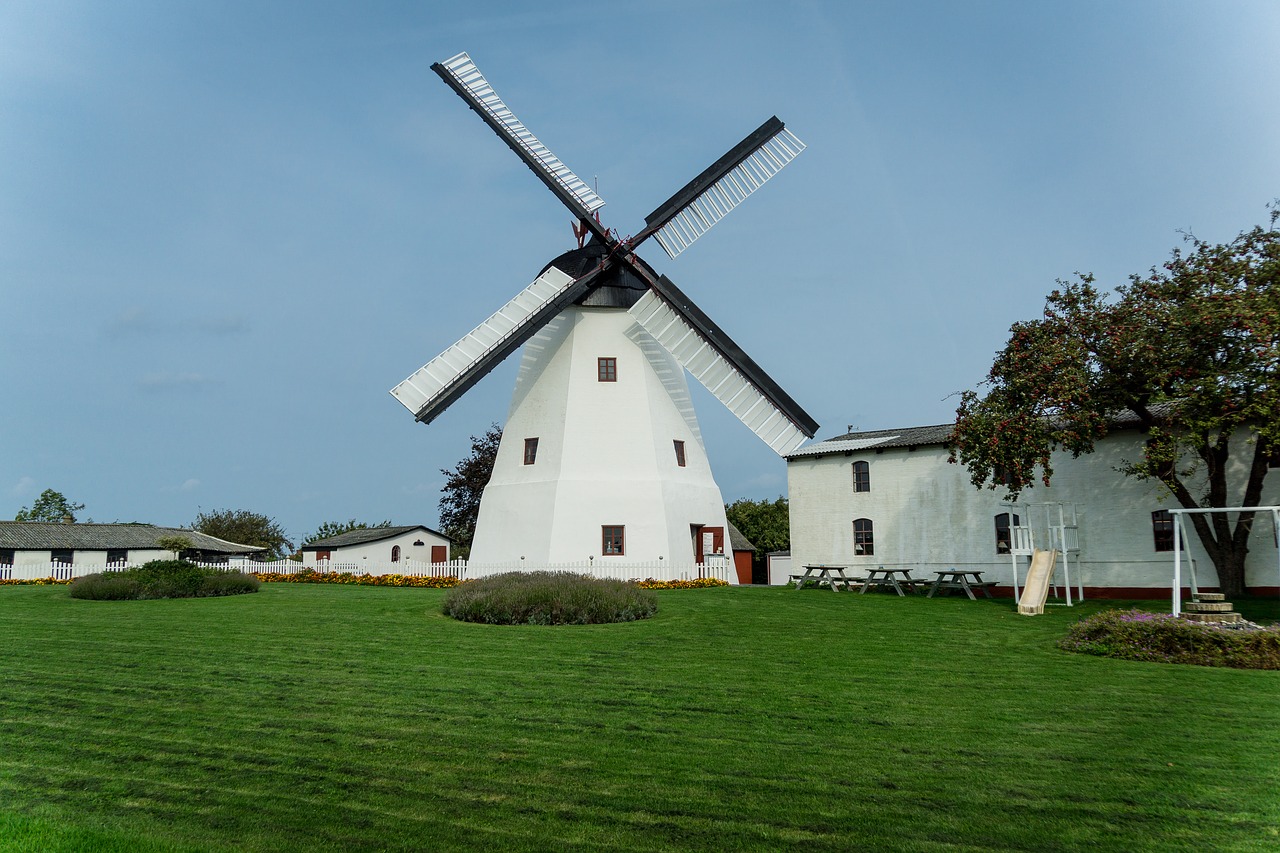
(168, 381)
(230, 324)
(22, 487)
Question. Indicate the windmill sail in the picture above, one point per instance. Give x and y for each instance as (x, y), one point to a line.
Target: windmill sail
(434, 386)
(465, 78)
(722, 367)
(705, 200)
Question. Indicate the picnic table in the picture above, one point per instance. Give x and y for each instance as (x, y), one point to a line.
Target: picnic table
(821, 573)
(952, 579)
(889, 577)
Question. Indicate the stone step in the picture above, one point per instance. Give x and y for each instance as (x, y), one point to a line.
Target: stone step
(1207, 606)
(1210, 596)
(1212, 617)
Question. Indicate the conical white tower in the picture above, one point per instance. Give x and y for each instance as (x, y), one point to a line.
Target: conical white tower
(601, 455)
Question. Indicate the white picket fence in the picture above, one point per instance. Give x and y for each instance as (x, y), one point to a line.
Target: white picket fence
(618, 570)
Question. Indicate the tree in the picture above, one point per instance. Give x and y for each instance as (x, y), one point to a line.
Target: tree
(245, 528)
(334, 528)
(176, 543)
(766, 523)
(50, 506)
(1192, 350)
(463, 487)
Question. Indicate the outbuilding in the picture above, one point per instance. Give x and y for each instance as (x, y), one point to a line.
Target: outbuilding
(33, 543)
(378, 546)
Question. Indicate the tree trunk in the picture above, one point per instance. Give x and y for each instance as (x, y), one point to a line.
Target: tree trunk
(1229, 563)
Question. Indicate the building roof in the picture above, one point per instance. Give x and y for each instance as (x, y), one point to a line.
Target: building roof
(880, 438)
(737, 541)
(938, 434)
(367, 534)
(44, 535)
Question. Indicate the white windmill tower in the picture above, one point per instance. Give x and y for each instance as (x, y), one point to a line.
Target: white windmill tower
(601, 454)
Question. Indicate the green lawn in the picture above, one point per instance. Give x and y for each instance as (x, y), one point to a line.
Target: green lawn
(359, 718)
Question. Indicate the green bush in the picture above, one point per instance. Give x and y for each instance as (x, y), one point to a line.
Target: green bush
(1165, 638)
(549, 598)
(163, 579)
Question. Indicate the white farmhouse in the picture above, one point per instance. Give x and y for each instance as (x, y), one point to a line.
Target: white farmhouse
(38, 543)
(378, 546)
(890, 498)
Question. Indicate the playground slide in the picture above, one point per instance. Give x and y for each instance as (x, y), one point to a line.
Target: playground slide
(1039, 579)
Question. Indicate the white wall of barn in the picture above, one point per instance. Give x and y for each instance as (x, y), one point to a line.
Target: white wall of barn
(926, 513)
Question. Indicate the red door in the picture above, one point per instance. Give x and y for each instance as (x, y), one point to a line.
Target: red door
(439, 553)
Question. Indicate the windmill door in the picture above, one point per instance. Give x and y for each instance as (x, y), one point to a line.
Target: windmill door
(707, 541)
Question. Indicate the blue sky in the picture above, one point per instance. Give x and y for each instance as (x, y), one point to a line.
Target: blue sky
(228, 228)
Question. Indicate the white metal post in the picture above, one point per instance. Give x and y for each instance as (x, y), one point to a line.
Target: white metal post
(1177, 565)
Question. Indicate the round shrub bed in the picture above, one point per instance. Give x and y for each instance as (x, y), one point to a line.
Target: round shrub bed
(163, 579)
(549, 598)
(1165, 638)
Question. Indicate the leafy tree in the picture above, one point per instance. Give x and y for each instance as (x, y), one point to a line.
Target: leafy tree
(246, 528)
(176, 543)
(463, 487)
(766, 523)
(50, 506)
(334, 528)
(1192, 349)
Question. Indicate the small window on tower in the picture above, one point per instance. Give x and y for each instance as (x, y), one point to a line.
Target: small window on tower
(863, 538)
(680, 453)
(612, 539)
(530, 451)
(608, 369)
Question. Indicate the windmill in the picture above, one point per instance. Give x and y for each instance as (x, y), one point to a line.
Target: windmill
(601, 454)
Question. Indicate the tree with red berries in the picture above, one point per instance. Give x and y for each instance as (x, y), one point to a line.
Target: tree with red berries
(1192, 350)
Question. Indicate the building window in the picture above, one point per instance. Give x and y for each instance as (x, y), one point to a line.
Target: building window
(1162, 529)
(607, 369)
(1004, 539)
(395, 553)
(861, 477)
(863, 542)
(530, 451)
(61, 556)
(6, 556)
(117, 556)
(680, 453)
(1273, 456)
(612, 540)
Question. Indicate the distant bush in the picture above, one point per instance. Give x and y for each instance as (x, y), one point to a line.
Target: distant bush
(163, 579)
(1165, 638)
(549, 598)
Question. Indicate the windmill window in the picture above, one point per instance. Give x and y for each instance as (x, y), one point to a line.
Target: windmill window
(395, 554)
(1004, 537)
(530, 451)
(607, 369)
(612, 539)
(1162, 529)
(863, 540)
(861, 477)
(679, 453)
(117, 556)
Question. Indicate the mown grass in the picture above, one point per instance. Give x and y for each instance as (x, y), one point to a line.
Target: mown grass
(312, 717)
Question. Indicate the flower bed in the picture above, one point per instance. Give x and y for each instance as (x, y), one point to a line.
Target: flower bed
(310, 576)
(696, 583)
(1164, 638)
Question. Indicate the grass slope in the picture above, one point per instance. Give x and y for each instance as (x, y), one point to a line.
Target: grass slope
(359, 718)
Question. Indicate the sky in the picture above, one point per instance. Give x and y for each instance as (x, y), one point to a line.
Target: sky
(227, 229)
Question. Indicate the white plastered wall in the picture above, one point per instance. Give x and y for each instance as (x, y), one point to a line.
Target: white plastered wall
(606, 453)
(927, 514)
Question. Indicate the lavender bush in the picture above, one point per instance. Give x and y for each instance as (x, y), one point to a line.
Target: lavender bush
(1162, 637)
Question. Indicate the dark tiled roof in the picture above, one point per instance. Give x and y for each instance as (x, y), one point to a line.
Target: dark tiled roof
(738, 542)
(938, 434)
(42, 535)
(365, 535)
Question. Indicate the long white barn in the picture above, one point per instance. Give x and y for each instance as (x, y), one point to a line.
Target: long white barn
(891, 498)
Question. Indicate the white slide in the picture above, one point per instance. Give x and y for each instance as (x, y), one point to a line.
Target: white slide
(1039, 579)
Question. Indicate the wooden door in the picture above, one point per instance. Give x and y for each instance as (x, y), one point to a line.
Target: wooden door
(439, 553)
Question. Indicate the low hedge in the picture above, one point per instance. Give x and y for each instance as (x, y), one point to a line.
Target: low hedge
(549, 598)
(1165, 638)
(162, 579)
